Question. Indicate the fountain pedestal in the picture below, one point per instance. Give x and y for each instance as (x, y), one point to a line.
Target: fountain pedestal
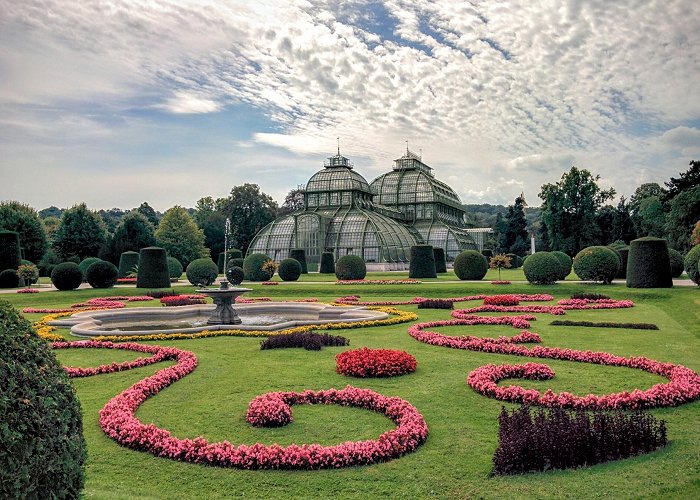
(223, 297)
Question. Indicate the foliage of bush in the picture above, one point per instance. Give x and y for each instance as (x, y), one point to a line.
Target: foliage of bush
(440, 261)
(9, 250)
(128, 261)
(605, 324)
(220, 261)
(470, 265)
(487, 253)
(539, 439)
(102, 274)
(589, 296)
(174, 268)
(66, 276)
(299, 254)
(308, 340)
(289, 269)
(20, 217)
(235, 275)
(596, 263)
(515, 260)
(676, 260)
(159, 294)
(153, 268)
(253, 267)
(435, 304)
(48, 262)
(422, 263)
(235, 253)
(622, 252)
(566, 262)
(85, 263)
(9, 279)
(690, 263)
(235, 262)
(542, 268)
(649, 265)
(350, 267)
(42, 450)
(327, 263)
(202, 272)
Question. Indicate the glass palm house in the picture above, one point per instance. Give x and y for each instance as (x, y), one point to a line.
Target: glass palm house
(379, 222)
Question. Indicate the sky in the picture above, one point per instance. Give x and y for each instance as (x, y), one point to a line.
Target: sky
(114, 103)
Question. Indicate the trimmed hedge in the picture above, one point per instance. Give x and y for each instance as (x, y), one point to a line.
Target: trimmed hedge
(66, 276)
(290, 269)
(565, 261)
(597, 263)
(676, 260)
(691, 262)
(9, 279)
(605, 324)
(42, 449)
(350, 267)
(649, 265)
(252, 267)
(422, 263)
(202, 272)
(487, 253)
(622, 252)
(470, 265)
(9, 250)
(102, 274)
(515, 260)
(542, 268)
(440, 261)
(235, 275)
(127, 262)
(221, 261)
(310, 341)
(327, 263)
(235, 253)
(85, 263)
(299, 254)
(153, 268)
(174, 268)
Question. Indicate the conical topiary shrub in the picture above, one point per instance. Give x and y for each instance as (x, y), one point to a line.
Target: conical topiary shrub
(128, 261)
(422, 263)
(220, 263)
(299, 254)
(327, 263)
(153, 268)
(648, 265)
(10, 255)
(440, 262)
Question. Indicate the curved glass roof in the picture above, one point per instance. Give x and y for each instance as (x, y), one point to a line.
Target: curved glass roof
(337, 175)
(450, 238)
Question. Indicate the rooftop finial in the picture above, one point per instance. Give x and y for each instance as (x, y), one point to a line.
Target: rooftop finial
(407, 148)
(338, 145)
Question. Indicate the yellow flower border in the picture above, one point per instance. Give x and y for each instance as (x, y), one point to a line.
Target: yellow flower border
(396, 316)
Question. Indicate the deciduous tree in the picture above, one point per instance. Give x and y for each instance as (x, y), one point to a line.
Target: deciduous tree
(23, 219)
(82, 232)
(249, 210)
(180, 236)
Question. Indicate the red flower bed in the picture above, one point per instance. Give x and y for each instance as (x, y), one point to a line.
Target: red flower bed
(374, 363)
(269, 283)
(502, 300)
(183, 300)
(28, 290)
(116, 302)
(125, 281)
(355, 300)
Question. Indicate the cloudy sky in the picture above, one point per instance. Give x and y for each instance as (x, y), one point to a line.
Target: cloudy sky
(118, 102)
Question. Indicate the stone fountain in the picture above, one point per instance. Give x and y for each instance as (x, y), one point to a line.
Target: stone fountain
(224, 297)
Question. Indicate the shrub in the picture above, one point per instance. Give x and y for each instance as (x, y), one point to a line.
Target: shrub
(9, 279)
(350, 267)
(102, 274)
(9, 250)
(327, 263)
(487, 253)
(289, 269)
(48, 262)
(85, 263)
(435, 304)
(690, 263)
(622, 252)
(253, 267)
(539, 439)
(500, 261)
(174, 268)
(470, 265)
(565, 262)
(440, 261)
(66, 276)
(220, 261)
(605, 324)
(202, 272)
(596, 263)
(515, 261)
(159, 294)
(366, 362)
(42, 450)
(128, 261)
(308, 340)
(589, 296)
(235, 275)
(676, 260)
(649, 265)
(422, 263)
(235, 253)
(153, 268)
(300, 255)
(542, 268)
(235, 262)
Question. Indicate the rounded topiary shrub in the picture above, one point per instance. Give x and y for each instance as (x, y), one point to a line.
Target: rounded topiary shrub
(690, 264)
(128, 263)
(299, 254)
(648, 265)
(235, 262)
(153, 268)
(327, 263)
(596, 263)
(235, 274)
(174, 268)
(440, 261)
(676, 260)
(9, 279)
(470, 265)
(487, 253)
(66, 276)
(9, 250)
(515, 261)
(202, 272)
(542, 268)
(253, 267)
(290, 269)
(85, 263)
(565, 261)
(622, 252)
(102, 274)
(422, 263)
(235, 253)
(350, 267)
(42, 450)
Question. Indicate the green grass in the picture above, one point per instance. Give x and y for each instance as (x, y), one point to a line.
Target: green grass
(456, 459)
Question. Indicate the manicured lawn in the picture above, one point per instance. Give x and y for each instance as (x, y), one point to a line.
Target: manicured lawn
(456, 459)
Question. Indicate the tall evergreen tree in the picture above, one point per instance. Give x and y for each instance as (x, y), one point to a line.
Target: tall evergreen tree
(82, 232)
(516, 228)
(623, 228)
(148, 212)
(133, 233)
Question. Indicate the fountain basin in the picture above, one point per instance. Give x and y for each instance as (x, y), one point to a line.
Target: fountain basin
(193, 319)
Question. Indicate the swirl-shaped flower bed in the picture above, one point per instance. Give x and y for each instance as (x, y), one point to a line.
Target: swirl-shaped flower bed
(502, 300)
(366, 362)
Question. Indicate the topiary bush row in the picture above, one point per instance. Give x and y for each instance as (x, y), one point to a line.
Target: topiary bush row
(66, 276)
(422, 262)
(605, 324)
(102, 274)
(565, 262)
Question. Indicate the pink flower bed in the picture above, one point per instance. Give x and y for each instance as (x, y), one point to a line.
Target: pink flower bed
(355, 300)
(125, 281)
(502, 300)
(366, 362)
(269, 283)
(500, 282)
(28, 290)
(159, 354)
(378, 282)
(183, 300)
(116, 302)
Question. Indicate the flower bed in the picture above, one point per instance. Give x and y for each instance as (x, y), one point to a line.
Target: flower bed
(366, 362)
(378, 282)
(269, 283)
(183, 300)
(355, 300)
(115, 302)
(502, 300)
(126, 281)
(500, 282)
(27, 290)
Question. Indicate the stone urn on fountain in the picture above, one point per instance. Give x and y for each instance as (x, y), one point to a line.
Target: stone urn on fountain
(224, 297)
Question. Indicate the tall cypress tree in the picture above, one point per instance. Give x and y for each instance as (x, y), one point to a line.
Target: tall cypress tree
(516, 228)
